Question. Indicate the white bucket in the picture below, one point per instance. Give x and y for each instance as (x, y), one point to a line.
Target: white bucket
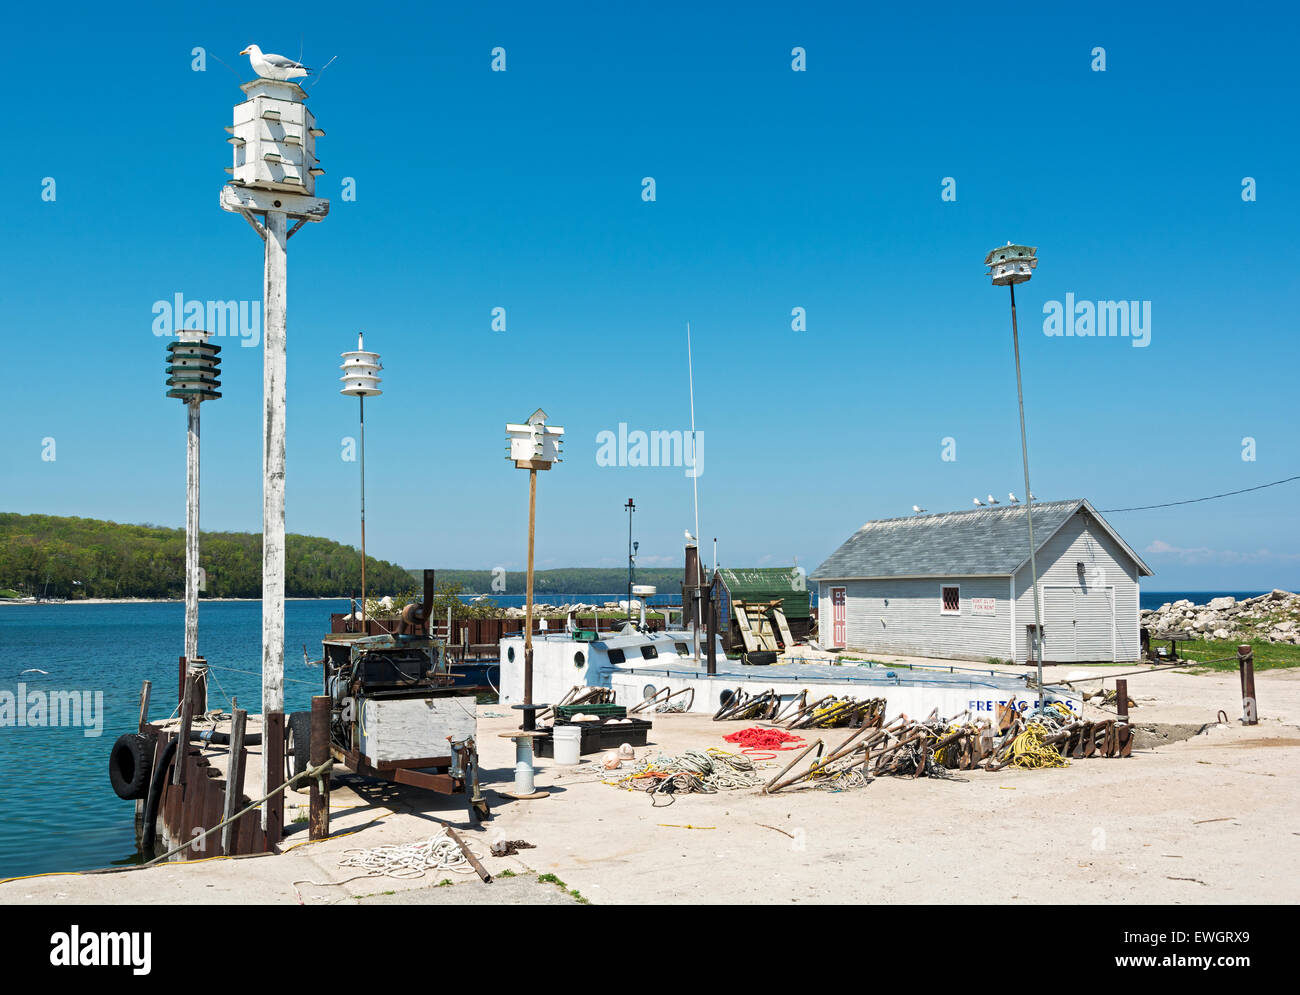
(567, 741)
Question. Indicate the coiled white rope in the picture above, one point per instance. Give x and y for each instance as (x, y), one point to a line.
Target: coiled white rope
(409, 860)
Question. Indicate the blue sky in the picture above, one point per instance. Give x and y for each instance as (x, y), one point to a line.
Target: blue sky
(774, 190)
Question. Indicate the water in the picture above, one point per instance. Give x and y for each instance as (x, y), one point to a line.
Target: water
(59, 812)
(1154, 599)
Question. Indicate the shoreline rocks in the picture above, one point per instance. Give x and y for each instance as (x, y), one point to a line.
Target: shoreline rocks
(1272, 617)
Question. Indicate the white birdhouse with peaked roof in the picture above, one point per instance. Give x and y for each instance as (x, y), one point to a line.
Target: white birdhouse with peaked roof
(274, 139)
(1011, 264)
(534, 445)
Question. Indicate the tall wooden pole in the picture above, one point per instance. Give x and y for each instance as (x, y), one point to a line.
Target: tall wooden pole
(528, 624)
(192, 533)
(273, 444)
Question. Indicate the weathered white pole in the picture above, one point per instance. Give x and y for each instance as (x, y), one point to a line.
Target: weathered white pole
(273, 440)
(192, 535)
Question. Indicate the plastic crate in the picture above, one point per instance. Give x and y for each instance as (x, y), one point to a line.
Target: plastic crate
(563, 713)
(597, 737)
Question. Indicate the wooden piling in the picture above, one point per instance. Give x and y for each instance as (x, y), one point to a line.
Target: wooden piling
(319, 826)
(145, 690)
(273, 776)
(183, 744)
(234, 780)
(1246, 668)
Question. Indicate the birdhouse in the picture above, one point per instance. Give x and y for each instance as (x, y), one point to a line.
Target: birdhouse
(360, 369)
(1011, 264)
(274, 139)
(192, 366)
(534, 445)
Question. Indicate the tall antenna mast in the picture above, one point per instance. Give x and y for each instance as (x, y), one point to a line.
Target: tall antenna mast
(695, 489)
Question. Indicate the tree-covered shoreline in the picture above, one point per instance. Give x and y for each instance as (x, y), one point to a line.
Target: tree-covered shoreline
(52, 556)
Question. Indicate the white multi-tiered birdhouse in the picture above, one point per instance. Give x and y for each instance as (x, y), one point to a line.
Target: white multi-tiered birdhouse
(193, 367)
(534, 445)
(274, 139)
(360, 372)
(1010, 264)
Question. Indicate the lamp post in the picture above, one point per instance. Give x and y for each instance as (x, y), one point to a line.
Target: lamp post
(1009, 265)
(534, 446)
(192, 377)
(273, 175)
(630, 508)
(360, 380)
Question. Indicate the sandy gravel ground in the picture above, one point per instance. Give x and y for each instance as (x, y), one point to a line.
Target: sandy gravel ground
(1214, 818)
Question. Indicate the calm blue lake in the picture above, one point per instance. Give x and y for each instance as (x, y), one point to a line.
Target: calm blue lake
(57, 809)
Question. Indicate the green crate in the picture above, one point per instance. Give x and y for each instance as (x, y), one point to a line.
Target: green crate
(565, 712)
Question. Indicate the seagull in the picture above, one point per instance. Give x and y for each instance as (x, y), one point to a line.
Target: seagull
(33, 670)
(270, 66)
(993, 500)
(979, 503)
(689, 537)
(1033, 496)
(1014, 499)
(918, 509)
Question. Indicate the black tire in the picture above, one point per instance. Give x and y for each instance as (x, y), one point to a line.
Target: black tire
(297, 745)
(760, 658)
(129, 765)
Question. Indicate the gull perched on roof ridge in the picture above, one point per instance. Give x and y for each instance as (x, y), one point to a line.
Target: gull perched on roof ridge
(270, 66)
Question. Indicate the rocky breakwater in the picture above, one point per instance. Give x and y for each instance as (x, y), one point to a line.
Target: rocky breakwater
(1272, 617)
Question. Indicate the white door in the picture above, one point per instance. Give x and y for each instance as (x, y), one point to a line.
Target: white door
(1078, 624)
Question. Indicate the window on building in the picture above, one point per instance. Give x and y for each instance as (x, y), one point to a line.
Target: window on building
(950, 599)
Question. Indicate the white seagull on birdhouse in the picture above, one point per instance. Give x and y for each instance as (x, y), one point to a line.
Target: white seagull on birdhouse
(270, 66)
(1013, 499)
(993, 500)
(918, 509)
(689, 537)
(979, 503)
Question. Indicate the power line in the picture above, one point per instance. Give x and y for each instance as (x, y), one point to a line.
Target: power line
(1212, 497)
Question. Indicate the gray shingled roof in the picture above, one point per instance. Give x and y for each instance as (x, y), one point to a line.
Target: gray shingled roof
(979, 542)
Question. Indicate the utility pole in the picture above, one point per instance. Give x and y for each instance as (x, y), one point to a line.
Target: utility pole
(274, 177)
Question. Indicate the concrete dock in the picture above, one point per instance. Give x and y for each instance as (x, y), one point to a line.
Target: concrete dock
(1209, 815)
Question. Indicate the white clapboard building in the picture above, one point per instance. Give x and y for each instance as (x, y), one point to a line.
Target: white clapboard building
(957, 585)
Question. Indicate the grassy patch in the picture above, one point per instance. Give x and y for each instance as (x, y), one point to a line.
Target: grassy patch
(576, 895)
(1268, 656)
(6, 592)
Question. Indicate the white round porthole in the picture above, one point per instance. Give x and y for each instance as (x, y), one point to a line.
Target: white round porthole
(648, 692)
(579, 659)
(510, 654)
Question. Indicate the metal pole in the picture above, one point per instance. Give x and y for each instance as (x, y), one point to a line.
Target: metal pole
(529, 714)
(362, 399)
(630, 508)
(1036, 645)
(273, 435)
